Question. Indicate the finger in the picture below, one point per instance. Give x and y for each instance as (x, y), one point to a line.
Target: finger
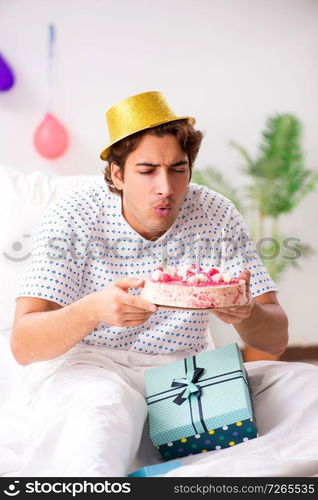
(238, 310)
(126, 307)
(228, 309)
(136, 315)
(125, 283)
(140, 321)
(223, 318)
(138, 303)
(246, 276)
(229, 319)
(234, 314)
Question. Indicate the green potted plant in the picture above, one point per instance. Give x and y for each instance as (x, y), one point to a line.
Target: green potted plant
(277, 183)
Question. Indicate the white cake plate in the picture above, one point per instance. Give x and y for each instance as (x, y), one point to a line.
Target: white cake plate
(175, 308)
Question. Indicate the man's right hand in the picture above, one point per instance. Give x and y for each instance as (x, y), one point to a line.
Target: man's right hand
(44, 330)
(116, 307)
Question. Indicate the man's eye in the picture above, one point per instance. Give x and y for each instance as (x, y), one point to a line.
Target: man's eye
(173, 170)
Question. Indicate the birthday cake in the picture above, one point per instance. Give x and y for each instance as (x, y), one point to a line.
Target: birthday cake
(194, 288)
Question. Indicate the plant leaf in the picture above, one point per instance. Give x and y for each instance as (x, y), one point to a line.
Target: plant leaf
(214, 179)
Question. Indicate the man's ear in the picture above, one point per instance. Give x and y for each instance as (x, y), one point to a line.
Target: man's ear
(116, 176)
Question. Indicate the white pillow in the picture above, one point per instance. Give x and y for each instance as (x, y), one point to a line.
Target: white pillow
(23, 199)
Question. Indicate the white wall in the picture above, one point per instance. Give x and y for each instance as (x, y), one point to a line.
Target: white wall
(229, 63)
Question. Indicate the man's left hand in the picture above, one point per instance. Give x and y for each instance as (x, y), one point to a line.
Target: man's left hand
(236, 314)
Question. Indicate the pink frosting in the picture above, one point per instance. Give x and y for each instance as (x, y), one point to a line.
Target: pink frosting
(170, 278)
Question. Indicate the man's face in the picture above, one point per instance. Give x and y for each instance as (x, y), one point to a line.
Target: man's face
(157, 174)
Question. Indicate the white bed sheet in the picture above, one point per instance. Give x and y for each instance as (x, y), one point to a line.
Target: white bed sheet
(285, 400)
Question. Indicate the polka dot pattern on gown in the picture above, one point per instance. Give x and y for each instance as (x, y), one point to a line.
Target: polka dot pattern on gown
(84, 243)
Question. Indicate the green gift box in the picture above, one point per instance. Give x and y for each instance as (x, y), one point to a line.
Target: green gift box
(200, 403)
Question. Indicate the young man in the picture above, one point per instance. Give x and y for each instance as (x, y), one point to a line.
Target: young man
(78, 308)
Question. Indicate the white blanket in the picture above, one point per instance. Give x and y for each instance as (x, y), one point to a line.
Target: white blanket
(286, 407)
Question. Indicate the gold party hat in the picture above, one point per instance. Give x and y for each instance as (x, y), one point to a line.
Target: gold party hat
(138, 112)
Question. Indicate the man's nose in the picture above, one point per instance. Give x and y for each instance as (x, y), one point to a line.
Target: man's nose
(164, 185)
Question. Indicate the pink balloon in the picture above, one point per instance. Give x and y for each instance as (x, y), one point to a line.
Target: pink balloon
(50, 138)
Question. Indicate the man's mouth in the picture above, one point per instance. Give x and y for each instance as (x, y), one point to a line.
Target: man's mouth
(163, 211)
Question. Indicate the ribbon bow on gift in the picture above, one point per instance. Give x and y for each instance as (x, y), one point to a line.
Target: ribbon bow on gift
(189, 383)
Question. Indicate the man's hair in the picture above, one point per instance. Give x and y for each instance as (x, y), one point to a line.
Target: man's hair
(188, 138)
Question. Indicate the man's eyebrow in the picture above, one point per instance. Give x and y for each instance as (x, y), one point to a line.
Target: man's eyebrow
(147, 164)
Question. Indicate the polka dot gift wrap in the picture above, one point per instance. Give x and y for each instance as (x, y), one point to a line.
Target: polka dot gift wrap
(200, 403)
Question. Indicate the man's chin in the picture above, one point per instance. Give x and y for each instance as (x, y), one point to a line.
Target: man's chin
(159, 231)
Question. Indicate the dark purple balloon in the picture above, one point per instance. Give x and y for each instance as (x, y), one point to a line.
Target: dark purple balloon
(6, 75)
